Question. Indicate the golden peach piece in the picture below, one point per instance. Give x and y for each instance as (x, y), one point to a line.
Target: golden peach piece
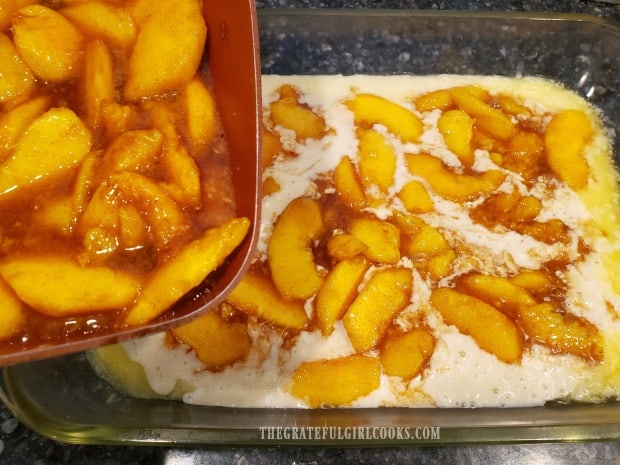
(133, 229)
(160, 63)
(290, 113)
(533, 281)
(381, 238)
(337, 381)
(117, 118)
(186, 270)
(98, 224)
(478, 92)
(166, 218)
(428, 240)
(59, 287)
(493, 331)
(561, 332)
(216, 342)
(385, 294)
(526, 209)
(348, 185)
(377, 160)
(509, 209)
(525, 154)
(415, 198)
(139, 10)
(345, 246)
(408, 224)
(8, 8)
(487, 118)
(512, 107)
(498, 291)
(101, 209)
(135, 150)
(456, 127)
(438, 266)
(289, 253)
(99, 243)
(497, 158)
(256, 295)
(405, 354)
(98, 80)
(47, 42)
(566, 136)
(453, 186)
(96, 214)
(434, 100)
(549, 232)
(270, 186)
(369, 109)
(495, 208)
(14, 121)
(103, 20)
(12, 316)
(338, 291)
(200, 112)
(163, 117)
(16, 79)
(56, 214)
(483, 141)
(183, 182)
(52, 145)
(272, 147)
(441, 99)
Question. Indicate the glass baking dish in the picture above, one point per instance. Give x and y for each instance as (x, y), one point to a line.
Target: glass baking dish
(63, 399)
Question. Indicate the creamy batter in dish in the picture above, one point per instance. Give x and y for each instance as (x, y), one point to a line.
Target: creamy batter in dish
(443, 241)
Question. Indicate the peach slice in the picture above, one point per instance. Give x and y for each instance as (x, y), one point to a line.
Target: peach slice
(561, 332)
(337, 381)
(289, 112)
(451, 185)
(566, 136)
(338, 292)
(377, 163)
(415, 197)
(160, 63)
(457, 127)
(58, 286)
(12, 317)
(290, 256)
(186, 270)
(216, 342)
(52, 145)
(487, 118)
(49, 43)
(348, 185)
(493, 331)
(256, 295)
(385, 294)
(498, 291)
(405, 354)
(381, 238)
(369, 109)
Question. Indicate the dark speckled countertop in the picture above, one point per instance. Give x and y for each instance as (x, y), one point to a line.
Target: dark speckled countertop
(19, 445)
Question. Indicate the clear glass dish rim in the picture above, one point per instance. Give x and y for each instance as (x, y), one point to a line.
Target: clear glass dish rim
(607, 429)
(405, 12)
